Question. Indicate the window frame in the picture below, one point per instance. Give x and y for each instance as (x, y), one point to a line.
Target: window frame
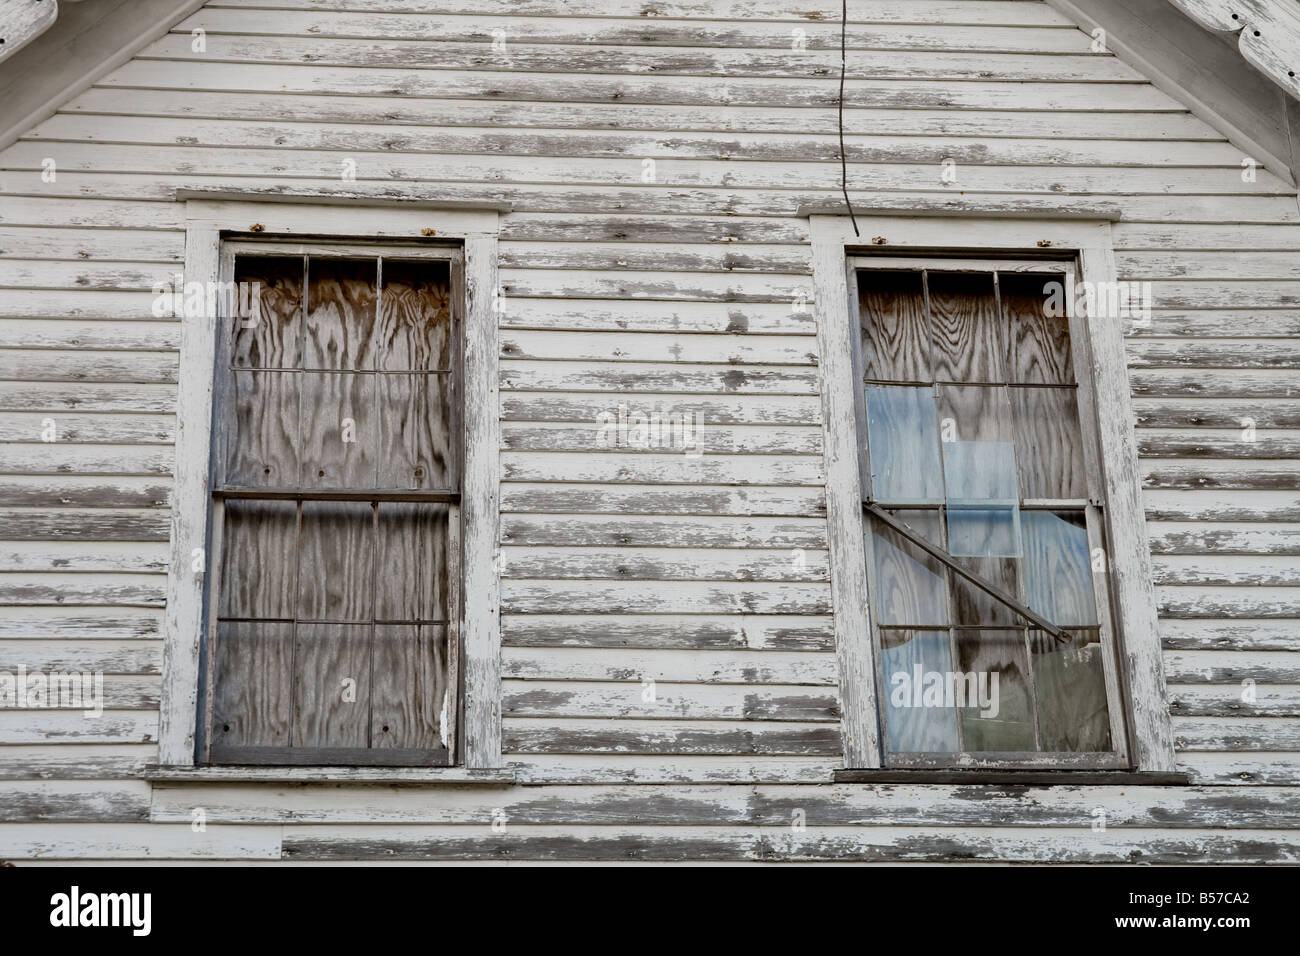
(214, 225)
(985, 240)
(1095, 515)
(222, 406)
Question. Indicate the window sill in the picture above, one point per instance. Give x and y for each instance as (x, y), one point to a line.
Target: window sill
(492, 776)
(1032, 778)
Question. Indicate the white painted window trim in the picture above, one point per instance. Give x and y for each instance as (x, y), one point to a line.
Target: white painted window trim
(208, 223)
(1141, 666)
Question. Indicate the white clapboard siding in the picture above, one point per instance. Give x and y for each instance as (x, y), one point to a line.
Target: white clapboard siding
(670, 688)
(1144, 122)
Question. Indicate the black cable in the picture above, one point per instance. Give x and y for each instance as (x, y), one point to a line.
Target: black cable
(844, 165)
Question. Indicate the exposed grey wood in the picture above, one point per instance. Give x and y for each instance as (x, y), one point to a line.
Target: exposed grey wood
(140, 624)
(1215, 700)
(995, 13)
(1231, 635)
(1008, 203)
(1031, 778)
(709, 666)
(411, 693)
(254, 694)
(679, 701)
(110, 524)
(579, 499)
(1061, 804)
(617, 60)
(1141, 125)
(666, 530)
(1037, 344)
(553, 597)
(688, 843)
(1197, 665)
(70, 802)
(695, 632)
(631, 30)
(336, 561)
(392, 776)
(965, 328)
(416, 439)
(84, 365)
(798, 179)
(72, 761)
(260, 557)
(1190, 413)
(1275, 734)
(896, 330)
(339, 319)
(1049, 445)
(331, 675)
(527, 735)
(69, 841)
(1204, 474)
(28, 396)
(665, 564)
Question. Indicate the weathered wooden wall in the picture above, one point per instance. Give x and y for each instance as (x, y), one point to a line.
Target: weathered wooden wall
(706, 575)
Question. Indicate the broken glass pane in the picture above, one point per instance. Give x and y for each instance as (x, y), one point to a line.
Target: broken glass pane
(983, 499)
(1070, 684)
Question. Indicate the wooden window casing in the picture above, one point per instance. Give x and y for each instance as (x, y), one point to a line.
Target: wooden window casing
(334, 597)
(987, 232)
(973, 354)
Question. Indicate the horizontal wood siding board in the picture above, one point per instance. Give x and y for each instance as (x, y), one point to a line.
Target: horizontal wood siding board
(871, 806)
(663, 631)
(781, 843)
(991, 12)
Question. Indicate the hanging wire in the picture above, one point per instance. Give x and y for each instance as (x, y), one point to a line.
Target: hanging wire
(844, 165)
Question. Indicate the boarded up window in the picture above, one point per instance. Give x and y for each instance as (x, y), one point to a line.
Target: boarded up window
(976, 433)
(336, 472)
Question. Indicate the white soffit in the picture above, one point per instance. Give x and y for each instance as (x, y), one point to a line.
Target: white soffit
(1268, 33)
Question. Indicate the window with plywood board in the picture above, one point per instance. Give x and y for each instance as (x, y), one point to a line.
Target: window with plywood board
(334, 604)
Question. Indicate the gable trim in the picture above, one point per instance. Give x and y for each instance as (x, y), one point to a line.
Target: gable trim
(85, 44)
(1201, 70)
